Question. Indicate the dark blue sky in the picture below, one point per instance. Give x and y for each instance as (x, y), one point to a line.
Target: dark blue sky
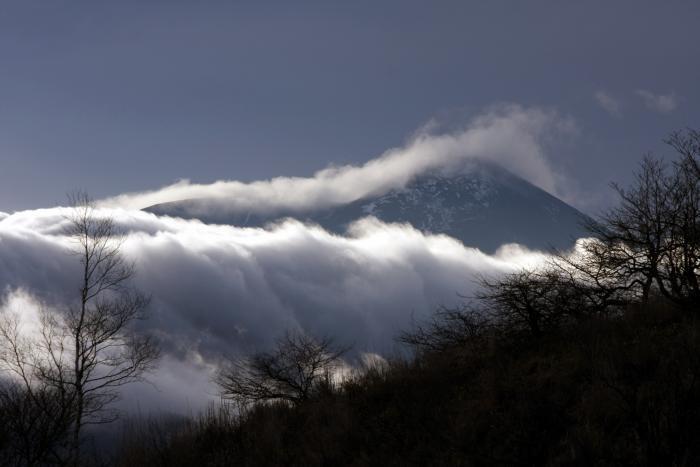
(124, 96)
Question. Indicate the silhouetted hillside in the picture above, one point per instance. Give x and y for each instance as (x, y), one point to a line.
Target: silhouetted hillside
(610, 392)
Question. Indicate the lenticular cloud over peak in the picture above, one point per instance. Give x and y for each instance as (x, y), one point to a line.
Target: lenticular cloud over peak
(510, 135)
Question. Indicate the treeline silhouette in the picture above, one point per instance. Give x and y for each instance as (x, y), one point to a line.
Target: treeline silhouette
(592, 358)
(618, 391)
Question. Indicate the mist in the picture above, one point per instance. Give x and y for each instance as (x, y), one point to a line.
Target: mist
(219, 291)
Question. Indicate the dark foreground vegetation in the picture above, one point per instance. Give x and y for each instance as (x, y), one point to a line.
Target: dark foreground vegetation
(607, 392)
(590, 359)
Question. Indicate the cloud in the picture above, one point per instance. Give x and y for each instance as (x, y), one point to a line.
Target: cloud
(662, 103)
(219, 290)
(510, 135)
(608, 103)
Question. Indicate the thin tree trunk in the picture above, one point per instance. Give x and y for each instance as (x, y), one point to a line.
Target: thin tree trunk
(78, 366)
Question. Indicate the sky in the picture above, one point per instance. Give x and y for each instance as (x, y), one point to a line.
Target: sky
(119, 97)
(296, 105)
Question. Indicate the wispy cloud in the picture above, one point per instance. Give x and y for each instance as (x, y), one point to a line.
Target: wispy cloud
(608, 103)
(510, 135)
(662, 103)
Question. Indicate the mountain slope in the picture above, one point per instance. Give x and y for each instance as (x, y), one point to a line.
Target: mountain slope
(483, 205)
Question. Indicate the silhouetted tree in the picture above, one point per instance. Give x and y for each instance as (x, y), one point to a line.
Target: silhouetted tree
(297, 367)
(534, 300)
(649, 243)
(687, 144)
(35, 425)
(84, 354)
(448, 329)
(631, 239)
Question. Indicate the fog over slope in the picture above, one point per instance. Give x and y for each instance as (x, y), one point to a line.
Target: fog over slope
(220, 290)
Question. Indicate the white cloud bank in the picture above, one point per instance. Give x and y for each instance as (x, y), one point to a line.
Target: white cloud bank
(509, 135)
(219, 289)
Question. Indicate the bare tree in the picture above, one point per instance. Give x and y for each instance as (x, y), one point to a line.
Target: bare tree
(84, 353)
(650, 243)
(34, 424)
(678, 279)
(448, 329)
(687, 144)
(632, 238)
(533, 300)
(297, 367)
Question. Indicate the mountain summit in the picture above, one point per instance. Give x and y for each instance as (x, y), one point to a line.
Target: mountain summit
(483, 205)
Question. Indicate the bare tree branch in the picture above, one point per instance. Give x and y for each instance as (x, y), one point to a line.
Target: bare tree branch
(292, 372)
(85, 353)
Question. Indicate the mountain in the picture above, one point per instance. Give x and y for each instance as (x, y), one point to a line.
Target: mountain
(483, 205)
